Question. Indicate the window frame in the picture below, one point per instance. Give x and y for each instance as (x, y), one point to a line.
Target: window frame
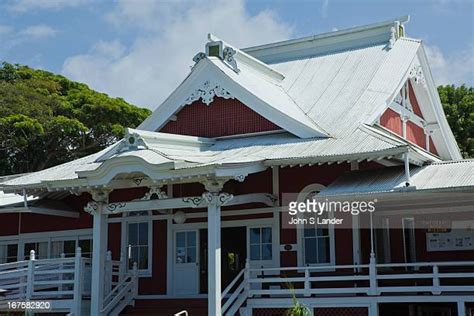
(137, 220)
(300, 234)
(260, 262)
(48, 237)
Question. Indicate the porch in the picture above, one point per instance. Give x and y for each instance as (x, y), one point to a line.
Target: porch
(364, 286)
(63, 285)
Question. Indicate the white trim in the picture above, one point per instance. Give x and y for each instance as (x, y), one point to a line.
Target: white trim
(276, 215)
(299, 231)
(297, 123)
(198, 263)
(405, 255)
(145, 273)
(446, 132)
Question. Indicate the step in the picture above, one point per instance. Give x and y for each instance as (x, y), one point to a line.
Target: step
(195, 307)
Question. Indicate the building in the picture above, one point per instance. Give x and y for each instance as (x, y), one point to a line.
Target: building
(187, 212)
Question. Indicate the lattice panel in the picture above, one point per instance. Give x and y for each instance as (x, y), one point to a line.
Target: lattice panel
(341, 311)
(269, 311)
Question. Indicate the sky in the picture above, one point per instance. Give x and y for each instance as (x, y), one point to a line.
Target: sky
(141, 50)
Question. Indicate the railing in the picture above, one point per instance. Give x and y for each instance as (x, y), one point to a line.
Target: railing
(433, 278)
(46, 279)
(374, 279)
(122, 294)
(239, 286)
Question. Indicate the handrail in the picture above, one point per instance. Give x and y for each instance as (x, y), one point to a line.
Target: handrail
(239, 295)
(126, 289)
(231, 285)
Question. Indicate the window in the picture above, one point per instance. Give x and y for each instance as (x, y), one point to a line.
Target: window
(8, 253)
(186, 247)
(138, 245)
(40, 248)
(316, 245)
(67, 247)
(260, 243)
(86, 247)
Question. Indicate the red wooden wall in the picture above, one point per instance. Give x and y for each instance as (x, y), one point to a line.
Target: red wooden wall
(223, 117)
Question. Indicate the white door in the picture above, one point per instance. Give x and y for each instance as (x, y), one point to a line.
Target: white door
(186, 264)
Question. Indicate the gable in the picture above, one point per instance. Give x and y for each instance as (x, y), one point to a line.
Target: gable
(405, 118)
(222, 117)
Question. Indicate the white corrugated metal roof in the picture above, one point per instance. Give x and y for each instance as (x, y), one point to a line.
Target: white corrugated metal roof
(442, 175)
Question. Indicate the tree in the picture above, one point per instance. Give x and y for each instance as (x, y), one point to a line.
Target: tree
(47, 119)
(458, 104)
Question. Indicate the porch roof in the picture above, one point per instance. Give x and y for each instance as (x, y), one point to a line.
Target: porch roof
(160, 152)
(447, 175)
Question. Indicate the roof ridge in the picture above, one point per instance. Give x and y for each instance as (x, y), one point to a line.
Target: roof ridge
(357, 29)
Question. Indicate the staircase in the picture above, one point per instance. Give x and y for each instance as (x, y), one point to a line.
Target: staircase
(167, 307)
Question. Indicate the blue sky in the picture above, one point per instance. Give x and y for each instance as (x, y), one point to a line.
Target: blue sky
(141, 49)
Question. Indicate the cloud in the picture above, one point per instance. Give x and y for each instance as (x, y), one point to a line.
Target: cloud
(38, 31)
(23, 6)
(170, 34)
(4, 30)
(456, 68)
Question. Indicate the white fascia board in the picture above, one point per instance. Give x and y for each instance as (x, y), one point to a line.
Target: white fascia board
(251, 61)
(446, 132)
(208, 69)
(167, 140)
(39, 210)
(174, 101)
(322, 43)
(118, 165)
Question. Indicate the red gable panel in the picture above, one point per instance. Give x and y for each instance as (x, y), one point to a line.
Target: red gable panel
(392, 120)
(221, 118)
(414, 101)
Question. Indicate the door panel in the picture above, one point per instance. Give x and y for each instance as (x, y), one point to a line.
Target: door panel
(186, 272)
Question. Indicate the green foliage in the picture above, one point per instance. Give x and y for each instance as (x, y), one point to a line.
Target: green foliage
(458, 104)
(297, 309)
(46, 119)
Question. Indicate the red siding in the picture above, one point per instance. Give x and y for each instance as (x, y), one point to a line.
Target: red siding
(29, 222)
(221, 118)
(414, 101)
(114, 237)
(416, 135)
(293, 180)
(433, 147)
(156, 284)
(391, 120)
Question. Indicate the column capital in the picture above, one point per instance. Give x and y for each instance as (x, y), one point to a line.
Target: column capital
(100, 195)
(218, 199)
(214, 185)
(92, 207)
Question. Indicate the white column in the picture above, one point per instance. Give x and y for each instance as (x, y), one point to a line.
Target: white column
(461, 308)
(215, 201)
(99, 249)
(356, 241)
(373, 309)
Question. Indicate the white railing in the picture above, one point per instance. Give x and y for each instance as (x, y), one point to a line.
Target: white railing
(433, 278)
(374, 279)
(46, 279)
(123, 293)
(239, 288)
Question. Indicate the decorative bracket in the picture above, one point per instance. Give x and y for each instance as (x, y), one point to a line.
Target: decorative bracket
(217, 199)
(92, 207)
(207, 91)
(155, 193)
(416, 73)
(240, 177)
